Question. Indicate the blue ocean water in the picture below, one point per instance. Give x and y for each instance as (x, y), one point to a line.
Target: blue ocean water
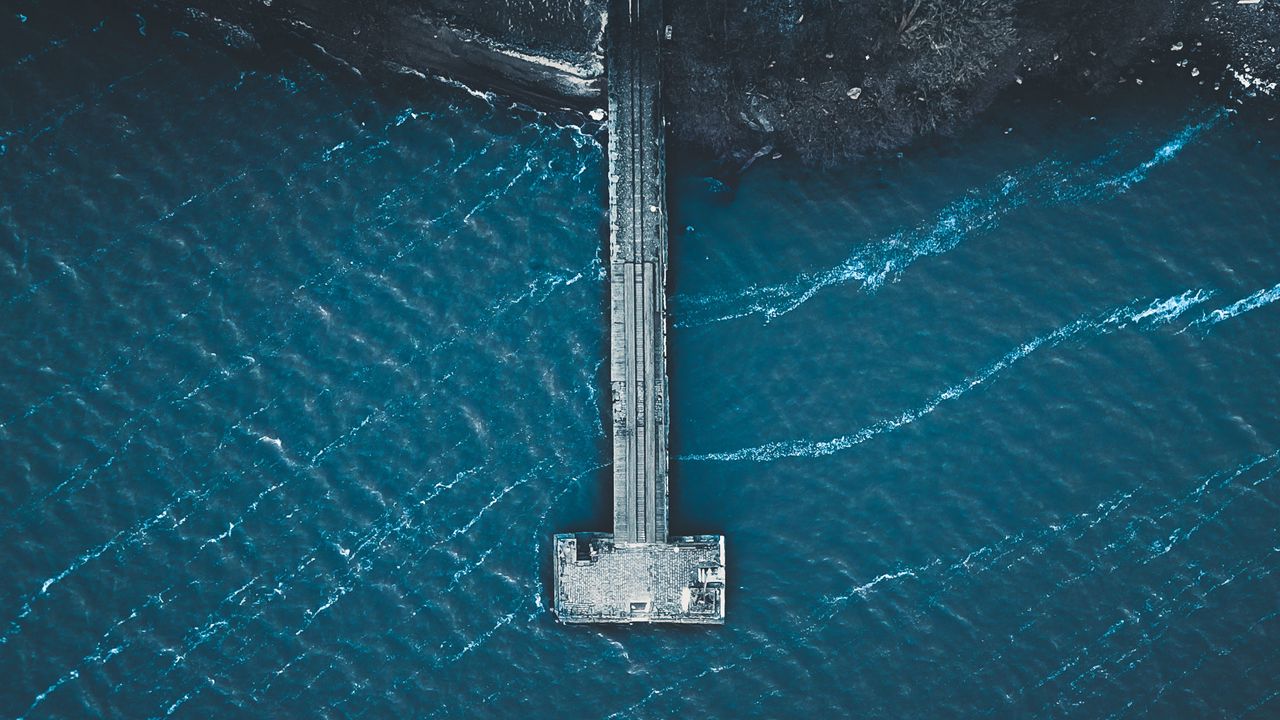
(300, 372)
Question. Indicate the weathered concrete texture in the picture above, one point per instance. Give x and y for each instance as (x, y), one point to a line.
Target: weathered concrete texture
(600, 580)
(543, 51)
(637, 574)
(637, 275)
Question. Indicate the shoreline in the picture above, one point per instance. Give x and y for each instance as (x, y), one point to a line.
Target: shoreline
(398, 40)
(823, 107)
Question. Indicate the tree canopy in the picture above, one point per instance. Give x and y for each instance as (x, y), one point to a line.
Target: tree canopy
(836, 79)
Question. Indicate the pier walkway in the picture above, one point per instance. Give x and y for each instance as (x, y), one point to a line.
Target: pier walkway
(637, 276)
(638, 574)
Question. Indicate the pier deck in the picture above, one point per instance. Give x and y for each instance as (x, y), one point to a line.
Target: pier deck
(637, 574)
(637, 275)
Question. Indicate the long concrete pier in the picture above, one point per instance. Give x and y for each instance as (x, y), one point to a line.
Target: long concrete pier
(637, 275)
(638, 573)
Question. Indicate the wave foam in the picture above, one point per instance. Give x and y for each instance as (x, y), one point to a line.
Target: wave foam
(881, 261)
(1155, 313)
(873, 264)
(1235, 309)
(1163, 154)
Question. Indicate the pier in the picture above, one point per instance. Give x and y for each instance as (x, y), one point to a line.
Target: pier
(638, 573)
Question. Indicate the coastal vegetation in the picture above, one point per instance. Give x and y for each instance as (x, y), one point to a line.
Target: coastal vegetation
(822, 80)
(830, 80)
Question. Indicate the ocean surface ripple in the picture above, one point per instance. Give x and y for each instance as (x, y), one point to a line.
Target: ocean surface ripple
(302, 369)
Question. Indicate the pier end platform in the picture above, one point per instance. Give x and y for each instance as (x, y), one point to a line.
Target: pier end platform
(601, 580)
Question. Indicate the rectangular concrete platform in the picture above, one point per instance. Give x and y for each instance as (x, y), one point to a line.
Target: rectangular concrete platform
(600, 580)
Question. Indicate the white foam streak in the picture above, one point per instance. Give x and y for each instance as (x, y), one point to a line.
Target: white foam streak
(1163, 154)
(881, 261)
(40, 698)
(862, 590)
(874, 264)
(480, 639)
(1156, 313)
(1235, 309)
(1166, 311)
(483, 95)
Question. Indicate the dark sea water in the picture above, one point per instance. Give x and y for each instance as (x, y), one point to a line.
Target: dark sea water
(299, 371)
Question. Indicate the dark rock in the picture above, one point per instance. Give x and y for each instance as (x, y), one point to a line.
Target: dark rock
(826, 81)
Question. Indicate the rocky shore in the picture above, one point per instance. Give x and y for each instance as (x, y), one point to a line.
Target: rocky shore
(833, 81)
(546, 52)
(824, 81)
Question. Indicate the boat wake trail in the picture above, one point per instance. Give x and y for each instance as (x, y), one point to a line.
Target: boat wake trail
(1152, 314)
(1253, 302)
(1163, 154)
(871, 265)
